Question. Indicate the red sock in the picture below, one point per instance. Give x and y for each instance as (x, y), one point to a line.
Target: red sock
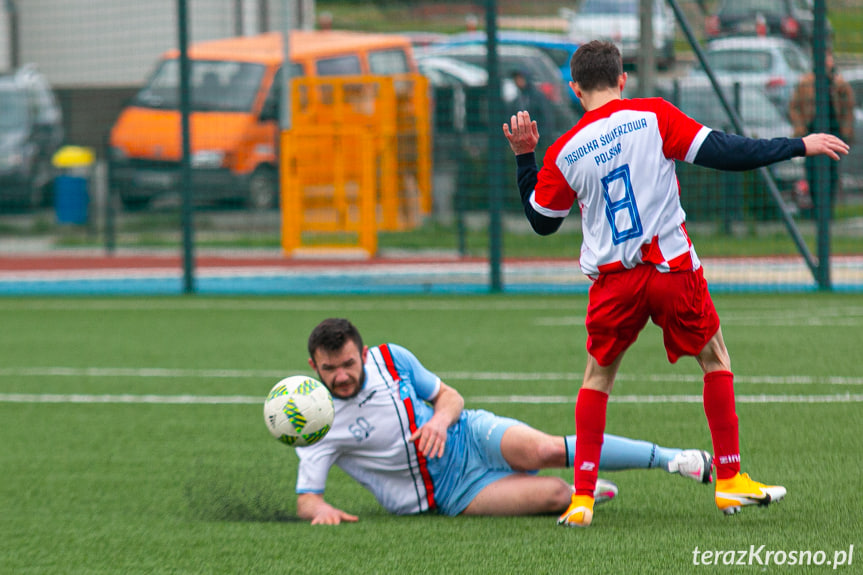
(722, 419)
(590, 410)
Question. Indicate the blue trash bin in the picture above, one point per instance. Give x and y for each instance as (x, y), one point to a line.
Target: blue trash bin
(71, 193)
(71, 199)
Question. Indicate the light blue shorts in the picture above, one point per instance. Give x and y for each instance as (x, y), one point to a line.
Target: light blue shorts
(480, 462)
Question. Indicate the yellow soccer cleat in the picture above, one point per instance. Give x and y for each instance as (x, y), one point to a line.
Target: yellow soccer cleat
(740, 491)
(579, 513)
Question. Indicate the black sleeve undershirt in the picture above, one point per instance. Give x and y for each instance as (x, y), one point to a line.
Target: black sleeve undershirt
(735, 153)
(527, 171)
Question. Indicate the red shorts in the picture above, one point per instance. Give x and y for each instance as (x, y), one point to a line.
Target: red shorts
(621, 302)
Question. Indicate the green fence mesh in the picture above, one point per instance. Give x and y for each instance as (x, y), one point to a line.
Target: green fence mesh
(73, 67)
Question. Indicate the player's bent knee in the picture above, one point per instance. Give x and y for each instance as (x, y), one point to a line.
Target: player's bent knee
(528, 449)
(714, 356)
(550, 453)
(551, 495)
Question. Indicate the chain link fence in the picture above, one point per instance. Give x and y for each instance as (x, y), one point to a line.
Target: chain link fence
(72, 69)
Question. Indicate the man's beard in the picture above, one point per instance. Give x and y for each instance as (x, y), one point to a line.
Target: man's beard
(361, 382)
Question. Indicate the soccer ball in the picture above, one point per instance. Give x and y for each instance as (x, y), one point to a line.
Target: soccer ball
(299, 411)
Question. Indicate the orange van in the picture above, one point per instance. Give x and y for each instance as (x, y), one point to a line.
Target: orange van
(235, 94)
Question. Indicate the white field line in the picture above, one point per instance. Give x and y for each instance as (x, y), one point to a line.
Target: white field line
(491, 399)
(273, 374)
(567, 311)
(754, 320)
(128, 398)
(140, 372)
(459, 376)
(760, 398)
(343, 305)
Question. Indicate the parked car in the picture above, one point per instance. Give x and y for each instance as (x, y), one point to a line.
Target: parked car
(543, 74)
(854, 76)
(460, 121)
(422, 39)
(235, 93)
(790, 19)
(452, 81)
(558, 47)
(851, 166)
(620, 22)
(721, 192)
(31, 131)
(775, 64)
(444, 70)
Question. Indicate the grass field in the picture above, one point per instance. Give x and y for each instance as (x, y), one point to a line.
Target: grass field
(132, 439)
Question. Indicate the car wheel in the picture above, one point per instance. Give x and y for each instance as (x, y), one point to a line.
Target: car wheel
(263, 190)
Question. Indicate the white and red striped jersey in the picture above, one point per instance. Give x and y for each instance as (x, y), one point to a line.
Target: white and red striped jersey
(618, 164)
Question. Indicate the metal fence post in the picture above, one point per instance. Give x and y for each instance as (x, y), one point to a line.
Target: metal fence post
(495, 148)
(185, 162)
(822, 194)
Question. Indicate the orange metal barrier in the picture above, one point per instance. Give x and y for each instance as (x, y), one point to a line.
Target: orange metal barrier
(339, 210)
(356, 161)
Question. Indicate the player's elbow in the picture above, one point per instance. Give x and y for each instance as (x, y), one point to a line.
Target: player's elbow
(544, 231)
(543, 225)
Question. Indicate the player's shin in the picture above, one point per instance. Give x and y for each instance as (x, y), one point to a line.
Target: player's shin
(589, 427)
(722, 419)
(590, 409)
(620, 453)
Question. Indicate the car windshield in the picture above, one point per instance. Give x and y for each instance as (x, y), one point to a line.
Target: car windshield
(609, 7)
(751, 7)
(740, 61)
(388, 62)
(541, 68)
(216, 86)
(755, 109)
(14, 105)
(559, 56)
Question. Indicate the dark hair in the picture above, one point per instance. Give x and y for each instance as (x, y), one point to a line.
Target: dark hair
(596, 65)
(332, 334)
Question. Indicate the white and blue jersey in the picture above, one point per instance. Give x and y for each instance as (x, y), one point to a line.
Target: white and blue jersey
(369, 440)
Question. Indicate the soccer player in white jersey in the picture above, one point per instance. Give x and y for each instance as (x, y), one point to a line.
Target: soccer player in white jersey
(404, 435)
(617, 163)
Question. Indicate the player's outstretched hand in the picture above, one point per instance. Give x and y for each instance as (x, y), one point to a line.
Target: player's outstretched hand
(826, 144)
(333, 516)
(521, 133)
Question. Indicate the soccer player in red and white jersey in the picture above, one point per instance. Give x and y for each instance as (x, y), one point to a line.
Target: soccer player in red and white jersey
(617, 163)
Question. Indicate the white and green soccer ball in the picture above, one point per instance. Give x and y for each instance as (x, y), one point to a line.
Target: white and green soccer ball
(299, 411)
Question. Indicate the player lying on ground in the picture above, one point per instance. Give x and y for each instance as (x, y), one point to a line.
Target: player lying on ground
(403, 434)
(617, 163)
